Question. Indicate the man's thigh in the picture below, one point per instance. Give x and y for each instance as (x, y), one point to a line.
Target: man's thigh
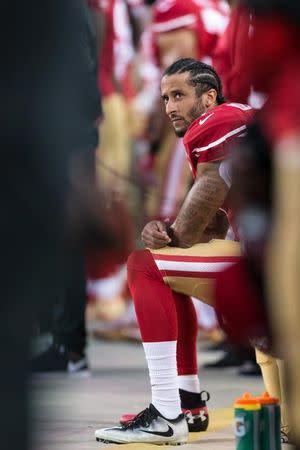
(192, 271)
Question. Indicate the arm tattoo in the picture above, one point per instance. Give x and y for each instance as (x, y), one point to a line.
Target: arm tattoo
(200, 206)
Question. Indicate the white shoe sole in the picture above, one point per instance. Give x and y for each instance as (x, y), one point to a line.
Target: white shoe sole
(115, 441)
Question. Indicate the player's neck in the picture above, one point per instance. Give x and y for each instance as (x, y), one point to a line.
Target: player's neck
(209, 108)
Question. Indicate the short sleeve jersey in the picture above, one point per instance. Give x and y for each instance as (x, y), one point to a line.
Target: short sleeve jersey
(207, 139)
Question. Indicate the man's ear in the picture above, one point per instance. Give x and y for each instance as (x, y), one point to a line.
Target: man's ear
(210, 98)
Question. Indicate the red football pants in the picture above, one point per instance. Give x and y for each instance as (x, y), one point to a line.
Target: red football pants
(163, 315)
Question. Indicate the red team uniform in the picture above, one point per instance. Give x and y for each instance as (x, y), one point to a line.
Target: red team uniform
(208, 137)
(207, 140)
(117, 51)
(162, 281)
(207, 18)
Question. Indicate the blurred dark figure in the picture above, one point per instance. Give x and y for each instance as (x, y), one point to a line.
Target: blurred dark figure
(66, 321)
(49, 103)
(243, 358)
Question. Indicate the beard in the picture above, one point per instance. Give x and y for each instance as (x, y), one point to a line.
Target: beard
(196, 112)
(192, 115)
(181, 132)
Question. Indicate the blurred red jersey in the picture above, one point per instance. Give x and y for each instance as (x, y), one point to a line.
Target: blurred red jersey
(261, 52)
(231, 55)
(208, 18)
(117, 49)
(274, 46)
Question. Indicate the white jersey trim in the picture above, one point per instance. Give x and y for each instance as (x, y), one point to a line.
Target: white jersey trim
(219, 141)
(183, 266)
(172, 24)
(225, 171)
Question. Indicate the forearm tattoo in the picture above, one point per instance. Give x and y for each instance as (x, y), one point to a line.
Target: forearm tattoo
(199, 208)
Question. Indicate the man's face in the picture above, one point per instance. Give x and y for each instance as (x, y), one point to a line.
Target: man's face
(182, 104)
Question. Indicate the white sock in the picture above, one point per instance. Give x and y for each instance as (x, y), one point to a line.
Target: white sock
(190, 383)
(162, 365)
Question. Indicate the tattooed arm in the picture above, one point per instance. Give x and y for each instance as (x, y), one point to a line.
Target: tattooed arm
(200, 206)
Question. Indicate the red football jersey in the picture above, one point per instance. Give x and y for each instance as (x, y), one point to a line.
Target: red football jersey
(208, 18)
(208, 136)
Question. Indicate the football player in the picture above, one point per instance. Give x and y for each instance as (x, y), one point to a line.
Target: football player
(183, 258)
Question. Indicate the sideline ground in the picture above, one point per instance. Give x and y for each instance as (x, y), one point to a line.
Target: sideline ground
(67, 409)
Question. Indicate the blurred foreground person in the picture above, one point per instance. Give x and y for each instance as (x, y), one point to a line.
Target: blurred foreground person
(268, 60)
(280, 120)
(66, 311)
(249, 44)
(49, 105)
(240, 291)
(183, 258)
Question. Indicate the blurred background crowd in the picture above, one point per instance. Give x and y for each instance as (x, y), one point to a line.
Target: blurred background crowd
(92, 158)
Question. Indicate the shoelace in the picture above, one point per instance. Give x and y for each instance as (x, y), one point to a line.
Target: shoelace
(284, 437)
(144, 418)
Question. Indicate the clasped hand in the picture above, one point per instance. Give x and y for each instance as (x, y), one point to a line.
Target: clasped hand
(155, 234)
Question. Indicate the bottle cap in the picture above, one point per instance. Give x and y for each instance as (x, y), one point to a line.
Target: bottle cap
(247, 399)
(266, 399)
(247, 402)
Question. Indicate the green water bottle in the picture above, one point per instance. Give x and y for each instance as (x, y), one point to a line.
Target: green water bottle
(270, 422)
(247, 423)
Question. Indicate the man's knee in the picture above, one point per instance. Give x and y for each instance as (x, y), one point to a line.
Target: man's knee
(139, 260)
(141, 264)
